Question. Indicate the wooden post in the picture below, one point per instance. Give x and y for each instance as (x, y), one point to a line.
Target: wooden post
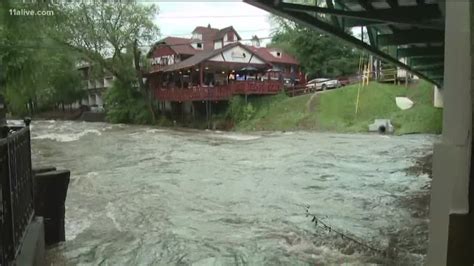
(210, 114)
(201, 75)
(406, 79)
(207, 113)
(50, 196)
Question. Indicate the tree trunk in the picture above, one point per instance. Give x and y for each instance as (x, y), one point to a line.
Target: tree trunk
(143, 88)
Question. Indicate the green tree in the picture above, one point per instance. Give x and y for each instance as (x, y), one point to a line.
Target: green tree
(66, 83)
(109, 35)
(320, 55)
(29, 64)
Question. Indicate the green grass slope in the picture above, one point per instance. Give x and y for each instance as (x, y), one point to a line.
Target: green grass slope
(335, 110)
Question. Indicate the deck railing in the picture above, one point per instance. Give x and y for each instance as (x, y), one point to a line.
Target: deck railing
(297, 90)
(16, 191)
(217, 93)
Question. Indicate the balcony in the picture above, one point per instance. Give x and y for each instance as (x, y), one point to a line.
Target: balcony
(95, 84)
(91, 84)
(218, 93)
(108, 81)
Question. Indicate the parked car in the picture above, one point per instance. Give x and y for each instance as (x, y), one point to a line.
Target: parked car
(322, 84)
(344, 81)
(350, 79)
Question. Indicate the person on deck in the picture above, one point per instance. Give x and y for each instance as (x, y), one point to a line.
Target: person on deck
(293, 79)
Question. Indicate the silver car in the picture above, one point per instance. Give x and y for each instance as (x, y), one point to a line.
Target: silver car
(322, 84)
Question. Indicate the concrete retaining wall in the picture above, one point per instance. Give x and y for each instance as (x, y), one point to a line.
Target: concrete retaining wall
(93, 117)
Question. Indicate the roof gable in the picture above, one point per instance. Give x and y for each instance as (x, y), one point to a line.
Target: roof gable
(237, 53)
(204, 30)
(208, 36)
(179, 45)
(205, 55)
(220, 35)
(265, 53)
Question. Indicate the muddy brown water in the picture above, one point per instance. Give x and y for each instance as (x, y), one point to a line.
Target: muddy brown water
(150, 196)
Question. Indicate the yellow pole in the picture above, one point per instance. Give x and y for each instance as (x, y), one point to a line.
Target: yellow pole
(366, 74)
(360, 84)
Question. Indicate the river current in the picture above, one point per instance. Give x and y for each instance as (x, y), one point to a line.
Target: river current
(151, 196)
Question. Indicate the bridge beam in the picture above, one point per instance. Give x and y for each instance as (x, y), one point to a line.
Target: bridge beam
(451, 232)
(431, 67)
(435, 73)
(412, 15)
(414, 52)
(313, 23)
(427, 61)
(411, 37)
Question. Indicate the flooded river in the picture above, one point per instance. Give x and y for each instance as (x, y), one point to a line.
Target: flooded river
(147, 196)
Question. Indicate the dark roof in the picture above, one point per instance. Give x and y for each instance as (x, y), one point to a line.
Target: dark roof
(183, 45)
(208, 36)
(223, 31)
(205, 30)
(200, 57)
(179, 45)
(265, 53)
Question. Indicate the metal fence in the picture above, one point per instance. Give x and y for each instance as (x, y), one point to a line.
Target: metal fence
(16, 191)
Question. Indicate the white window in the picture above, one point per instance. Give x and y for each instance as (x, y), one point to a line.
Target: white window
(217, 45)
(276, 53)
(198, 45)
(197, 36)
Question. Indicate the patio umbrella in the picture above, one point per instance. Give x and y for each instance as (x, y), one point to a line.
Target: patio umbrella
(273, 70)
(249, 69)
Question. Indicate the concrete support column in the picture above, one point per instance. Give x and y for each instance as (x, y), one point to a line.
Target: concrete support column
(438, 97)
(450, 235)
(85, 101)
(98, 100)
(90, 99)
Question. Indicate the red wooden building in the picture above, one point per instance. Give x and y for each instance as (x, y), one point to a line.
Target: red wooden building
(214, 65)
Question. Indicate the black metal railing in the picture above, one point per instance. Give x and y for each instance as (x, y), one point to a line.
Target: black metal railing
(16, 191)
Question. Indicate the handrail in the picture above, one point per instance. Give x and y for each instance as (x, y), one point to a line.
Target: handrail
(220, 92)
(16, 192)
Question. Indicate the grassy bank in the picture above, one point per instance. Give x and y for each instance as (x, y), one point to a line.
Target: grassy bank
(335, 110)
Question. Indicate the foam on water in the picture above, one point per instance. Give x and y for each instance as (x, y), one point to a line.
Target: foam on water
(76, 226)
(110, 213)
(68, 137)
(155, 130)
(238, 137)
(209, 197)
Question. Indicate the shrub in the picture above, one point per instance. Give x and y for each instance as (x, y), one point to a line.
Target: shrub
(238, 110)
(125, 105)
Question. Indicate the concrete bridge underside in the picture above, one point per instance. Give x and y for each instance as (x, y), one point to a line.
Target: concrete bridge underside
(436, 37)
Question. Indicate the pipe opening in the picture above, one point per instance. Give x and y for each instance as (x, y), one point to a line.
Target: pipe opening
(382, 129)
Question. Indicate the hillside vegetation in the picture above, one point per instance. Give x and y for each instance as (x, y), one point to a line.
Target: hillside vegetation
(334, 110)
